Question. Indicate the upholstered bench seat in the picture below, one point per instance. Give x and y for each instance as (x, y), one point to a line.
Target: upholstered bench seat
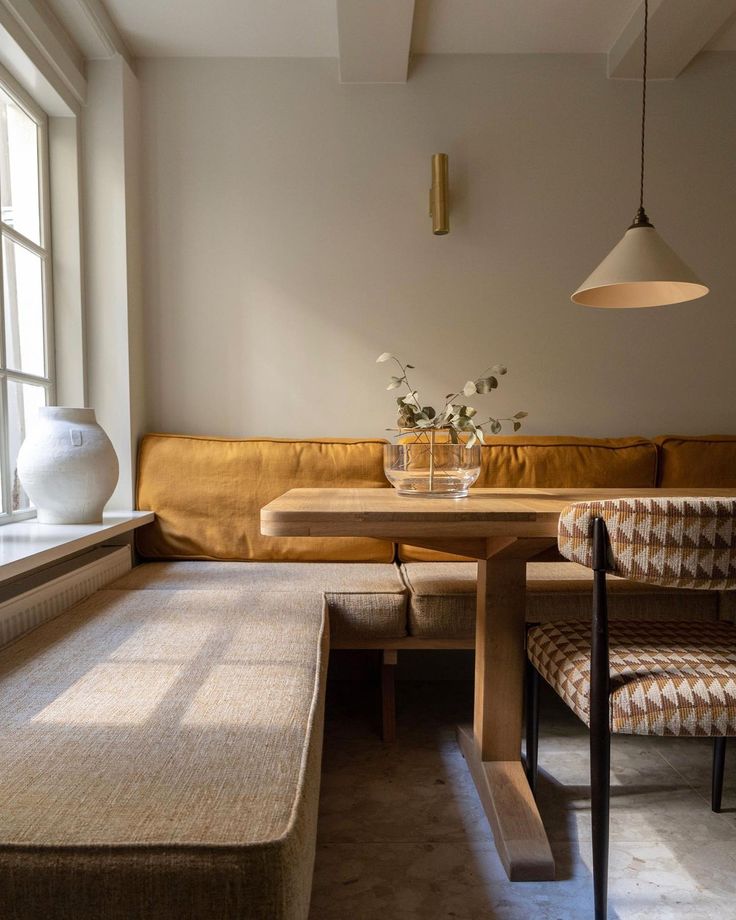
(442, 598)
(160, 757)
(667, 678)
(365, 600)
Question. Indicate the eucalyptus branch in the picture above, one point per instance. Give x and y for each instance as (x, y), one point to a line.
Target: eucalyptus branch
(496, 422)
(397, 381)
(456, 418)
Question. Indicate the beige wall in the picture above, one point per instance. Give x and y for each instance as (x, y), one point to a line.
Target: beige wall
(287, 243)
(113, 276)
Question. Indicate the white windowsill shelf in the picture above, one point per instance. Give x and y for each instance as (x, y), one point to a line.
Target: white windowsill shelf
(27, 545)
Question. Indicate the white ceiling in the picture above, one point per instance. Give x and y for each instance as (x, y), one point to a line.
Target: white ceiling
(227, 28)
(308, 28)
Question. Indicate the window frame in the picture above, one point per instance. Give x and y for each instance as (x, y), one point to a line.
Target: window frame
(44, 251)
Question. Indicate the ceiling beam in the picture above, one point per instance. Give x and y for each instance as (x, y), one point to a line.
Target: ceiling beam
(678, 30)
(375, 38)
(92, 28)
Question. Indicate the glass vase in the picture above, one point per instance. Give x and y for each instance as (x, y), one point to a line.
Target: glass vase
(427, 463)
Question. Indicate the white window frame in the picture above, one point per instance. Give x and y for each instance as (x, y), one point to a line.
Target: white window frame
(43, 251)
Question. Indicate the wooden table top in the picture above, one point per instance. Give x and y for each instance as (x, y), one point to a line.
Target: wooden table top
(383, 512)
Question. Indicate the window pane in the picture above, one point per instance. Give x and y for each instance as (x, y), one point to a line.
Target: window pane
(24, 400)
(23, 291)
(19, 169)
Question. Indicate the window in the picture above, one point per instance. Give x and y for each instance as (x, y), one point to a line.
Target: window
(26, 352)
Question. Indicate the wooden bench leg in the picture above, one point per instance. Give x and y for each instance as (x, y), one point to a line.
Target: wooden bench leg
(388, 695)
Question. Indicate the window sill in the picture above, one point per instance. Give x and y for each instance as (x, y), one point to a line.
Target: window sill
(27, 545)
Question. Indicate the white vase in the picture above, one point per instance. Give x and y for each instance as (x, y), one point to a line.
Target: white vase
(68, 466)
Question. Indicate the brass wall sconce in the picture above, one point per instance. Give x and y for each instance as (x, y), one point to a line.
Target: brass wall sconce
(439, 209)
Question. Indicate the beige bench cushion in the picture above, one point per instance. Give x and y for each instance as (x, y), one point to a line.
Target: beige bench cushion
(365, 600)
(160, 758)
(442, 599)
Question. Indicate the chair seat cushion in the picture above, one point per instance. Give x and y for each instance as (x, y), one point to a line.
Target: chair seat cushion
(442, 599)
(667, 678)
(364, 600)
(160, 758)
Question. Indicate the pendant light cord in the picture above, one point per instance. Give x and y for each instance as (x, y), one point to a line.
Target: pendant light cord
(641, 219)
(643, 104)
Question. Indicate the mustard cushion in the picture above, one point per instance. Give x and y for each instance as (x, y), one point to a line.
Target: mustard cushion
(207, 494)
(558, 463)
(697, 462)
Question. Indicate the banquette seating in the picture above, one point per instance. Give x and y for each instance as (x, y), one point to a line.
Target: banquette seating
(162, 741)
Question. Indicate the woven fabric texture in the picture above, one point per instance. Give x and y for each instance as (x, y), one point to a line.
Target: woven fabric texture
(160, 758)
(442, 601)
(678, 543)
(365, 600)
(666, 678)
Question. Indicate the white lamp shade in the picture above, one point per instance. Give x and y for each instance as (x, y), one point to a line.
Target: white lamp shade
(641, 271)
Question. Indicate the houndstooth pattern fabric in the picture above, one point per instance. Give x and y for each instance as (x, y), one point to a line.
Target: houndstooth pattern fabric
(674, 542)
(671, 678)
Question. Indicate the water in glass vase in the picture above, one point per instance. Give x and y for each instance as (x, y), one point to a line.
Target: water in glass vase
(428, 465)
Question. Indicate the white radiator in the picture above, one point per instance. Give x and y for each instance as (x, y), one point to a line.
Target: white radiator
(27, 604)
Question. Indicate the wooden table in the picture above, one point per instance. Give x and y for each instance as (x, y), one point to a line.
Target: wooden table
(503, 529)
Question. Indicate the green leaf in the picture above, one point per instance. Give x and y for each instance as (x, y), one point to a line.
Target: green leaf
(486, 384)
(386, 356)
(395, 382)
(521, 415)
(469, 389)
(495, 427)
(411, 367)
(472, 440)
(500, 370)
(429, 412)
(517, 425)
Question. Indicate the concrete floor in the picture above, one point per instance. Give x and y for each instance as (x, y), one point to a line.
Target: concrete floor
(402, 835)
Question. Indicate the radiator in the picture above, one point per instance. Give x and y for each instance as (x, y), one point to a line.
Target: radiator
(26, 604)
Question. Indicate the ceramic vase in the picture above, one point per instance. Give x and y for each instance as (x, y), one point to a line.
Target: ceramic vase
(68, 466)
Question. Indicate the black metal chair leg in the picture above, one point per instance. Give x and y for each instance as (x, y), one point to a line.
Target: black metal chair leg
(532, 724)
(600, 726)
(719, 763)
(600, 794)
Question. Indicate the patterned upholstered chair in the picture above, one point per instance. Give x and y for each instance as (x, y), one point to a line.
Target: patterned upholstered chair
(641, 678)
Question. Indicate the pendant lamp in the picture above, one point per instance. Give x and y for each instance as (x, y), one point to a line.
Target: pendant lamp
(642, 270)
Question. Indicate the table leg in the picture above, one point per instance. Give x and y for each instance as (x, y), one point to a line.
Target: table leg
(493, 747)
